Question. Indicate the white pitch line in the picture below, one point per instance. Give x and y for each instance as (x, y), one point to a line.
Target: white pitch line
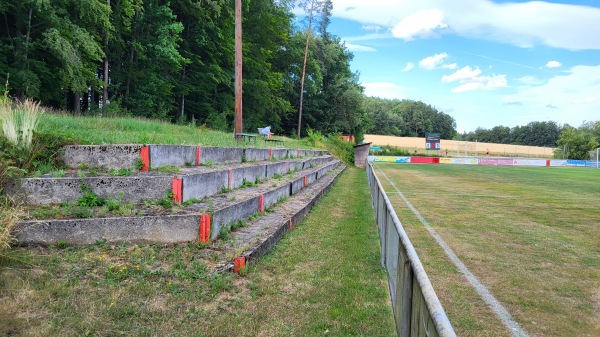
(503, 314)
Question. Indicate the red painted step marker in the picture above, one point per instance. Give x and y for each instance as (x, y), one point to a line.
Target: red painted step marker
(177, 188)
(205, 228)
(271, 153)
(291, 224)
(304, 181)
(239, 263)
(229, 179)
(261, 203)
(198, 156)
(145, 158)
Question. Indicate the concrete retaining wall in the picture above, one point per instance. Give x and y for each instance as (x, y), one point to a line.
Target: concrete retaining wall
(172, 155)
(229, 215)
(250, 174)
(40, 191)
(167, 229)
(203, 185)
(223, 155)
(274, 196)
(127, 155)
(257, 154)
(108, 156)
(277, 168)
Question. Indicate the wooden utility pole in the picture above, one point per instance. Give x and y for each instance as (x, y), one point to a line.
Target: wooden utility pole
(238, 67)
(105, 88)
(310, 16)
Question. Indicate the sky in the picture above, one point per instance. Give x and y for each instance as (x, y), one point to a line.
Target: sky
(485, 63)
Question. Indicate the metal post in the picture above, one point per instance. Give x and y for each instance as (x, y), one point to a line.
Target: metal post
(238, 66)
(597, 158)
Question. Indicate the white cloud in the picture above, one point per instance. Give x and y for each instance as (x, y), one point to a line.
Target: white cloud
(524, 24)
(436, 61)
(450, 66)
(573, 106)
(470, 80)
(386, 90)
(356, 47)
(463, 73)
(376, 28)
(423, 23)
(408, 66)
(553, 64)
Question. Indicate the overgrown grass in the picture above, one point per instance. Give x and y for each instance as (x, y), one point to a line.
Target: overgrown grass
(324, 278)
(102, 130)
(531, 235)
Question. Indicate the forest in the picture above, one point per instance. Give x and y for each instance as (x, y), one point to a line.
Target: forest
(175, 61)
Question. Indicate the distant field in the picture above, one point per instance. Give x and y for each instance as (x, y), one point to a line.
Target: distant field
(531, 236)
(458, 148)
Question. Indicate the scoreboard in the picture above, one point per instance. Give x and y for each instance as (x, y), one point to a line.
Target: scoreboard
(432, 141)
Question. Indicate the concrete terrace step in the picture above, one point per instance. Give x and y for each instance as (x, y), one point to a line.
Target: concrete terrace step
(153, 156)
(258, 237)
(188, 183)
(223, 210)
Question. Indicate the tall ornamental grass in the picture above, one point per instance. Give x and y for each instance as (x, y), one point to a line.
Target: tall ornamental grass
(19, 121)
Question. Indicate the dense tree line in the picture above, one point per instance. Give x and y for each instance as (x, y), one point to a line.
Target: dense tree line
(532, 134)
(577, 143)
(175, 61)
(407, 118)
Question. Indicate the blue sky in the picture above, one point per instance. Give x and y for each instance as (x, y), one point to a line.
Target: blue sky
(485, 63)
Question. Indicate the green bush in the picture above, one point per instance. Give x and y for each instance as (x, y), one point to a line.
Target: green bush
(339, 148)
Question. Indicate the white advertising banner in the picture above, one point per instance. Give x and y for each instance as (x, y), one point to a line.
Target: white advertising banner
(557, 162)
(461, 161)
(529, 162)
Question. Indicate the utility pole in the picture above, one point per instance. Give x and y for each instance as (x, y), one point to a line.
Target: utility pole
(105, 88)
(310, 17)
(238, 67)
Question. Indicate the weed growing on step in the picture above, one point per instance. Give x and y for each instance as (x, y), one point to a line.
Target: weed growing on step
(277, 176)
(139, 164)
(208, 163)
(224, 190)
(120, 172)
(167, 169)
(246, 183)
(191, 201)
(58, 173)
(167, 201)
(89, 198)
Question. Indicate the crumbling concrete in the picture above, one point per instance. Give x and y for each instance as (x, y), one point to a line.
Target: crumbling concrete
(108, 156)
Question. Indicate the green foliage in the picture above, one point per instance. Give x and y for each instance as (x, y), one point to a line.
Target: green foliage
(406, 118)
(89, 198)
(120, 172)
(167, 201)
(341, 149)
(533, 134)
(314, 136)
(173, 61)
(388, 150)
(167, 169)
(576, 143)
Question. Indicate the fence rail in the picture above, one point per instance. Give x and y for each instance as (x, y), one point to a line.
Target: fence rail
(417, 310)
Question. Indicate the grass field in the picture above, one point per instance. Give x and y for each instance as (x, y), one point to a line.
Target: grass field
(323, 279)
(531, 236)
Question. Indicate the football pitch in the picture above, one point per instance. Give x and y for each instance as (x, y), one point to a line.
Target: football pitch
(530, 235)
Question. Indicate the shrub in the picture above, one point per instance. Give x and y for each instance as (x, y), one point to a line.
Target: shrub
(341, 149)
(19, 121)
